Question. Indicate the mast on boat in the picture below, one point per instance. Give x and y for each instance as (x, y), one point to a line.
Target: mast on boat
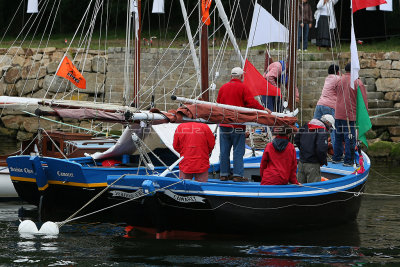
(292, 55)
(204, 58)
(136, 76)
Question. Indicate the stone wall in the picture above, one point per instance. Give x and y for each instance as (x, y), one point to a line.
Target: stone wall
(30, 73)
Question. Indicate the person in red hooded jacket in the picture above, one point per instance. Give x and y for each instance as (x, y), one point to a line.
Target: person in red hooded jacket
(279, 163)
(194, 142)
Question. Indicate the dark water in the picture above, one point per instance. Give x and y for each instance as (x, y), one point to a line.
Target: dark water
(373, 240)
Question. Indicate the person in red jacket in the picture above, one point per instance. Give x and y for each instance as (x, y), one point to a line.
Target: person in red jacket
(194, 142)
(237, 94)
(279, 163)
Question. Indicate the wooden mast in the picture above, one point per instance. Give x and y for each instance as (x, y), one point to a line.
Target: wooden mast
(292, 56)
(204, 58)
(136, 71)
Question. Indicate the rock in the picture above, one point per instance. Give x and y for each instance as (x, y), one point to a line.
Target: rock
(30, 124)
(385, 136)
(384, 64)
(12, 122)
(395, 139)
(396, 65)
(15, 50)
(37, 57)
(5, 60)
(24, 136)
(99, 64)
(94, 83)
(56, 84)
(390, 73)
(395, 96)
(392, 55)
(8, 132)
(367, 63)
(47, 50)
(24, 87)
(33, 72)
(379, 149)
(52, 67)
(18, 61)
(376, 56)
(370, 73)
(394, 130)
(12, 75)
(388, 84)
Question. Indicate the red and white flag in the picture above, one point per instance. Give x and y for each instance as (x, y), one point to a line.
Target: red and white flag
(361, 4)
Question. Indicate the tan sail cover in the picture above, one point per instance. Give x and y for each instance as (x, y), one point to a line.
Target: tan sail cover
(215, 114)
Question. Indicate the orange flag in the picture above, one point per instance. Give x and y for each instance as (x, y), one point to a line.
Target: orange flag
(205, 8)
(68, 71)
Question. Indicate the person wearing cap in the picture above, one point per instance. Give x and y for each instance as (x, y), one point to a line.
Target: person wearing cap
(327, 101)
(237, 94)
(312, 141)
(279, 164)
(345, 117)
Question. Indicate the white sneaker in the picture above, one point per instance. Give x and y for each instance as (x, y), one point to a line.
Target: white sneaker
(305, 50)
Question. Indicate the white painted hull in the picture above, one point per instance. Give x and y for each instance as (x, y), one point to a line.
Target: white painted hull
(7, 189)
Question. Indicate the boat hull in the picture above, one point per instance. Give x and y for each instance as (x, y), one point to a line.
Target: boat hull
(233, 208)
(7, 190)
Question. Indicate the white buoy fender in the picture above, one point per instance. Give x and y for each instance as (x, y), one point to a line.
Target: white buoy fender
(27, 227)
(49, 228)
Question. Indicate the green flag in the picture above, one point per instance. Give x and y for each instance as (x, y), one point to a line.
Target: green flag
(363, 122)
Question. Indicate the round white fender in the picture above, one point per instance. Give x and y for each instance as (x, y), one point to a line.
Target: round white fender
(27, 227)
(49, 228)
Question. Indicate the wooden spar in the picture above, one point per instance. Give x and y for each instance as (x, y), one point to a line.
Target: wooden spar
(291, 63)
(136, 75)
(192, 101)
(204, 58)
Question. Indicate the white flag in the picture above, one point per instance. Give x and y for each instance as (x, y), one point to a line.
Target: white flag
(371, 8)
(158, 6)
(387, 7)
(266, 29)
(355, 63)
(32, 6)
(134, 9)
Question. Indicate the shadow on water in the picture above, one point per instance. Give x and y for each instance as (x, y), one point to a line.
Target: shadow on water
(373, 239)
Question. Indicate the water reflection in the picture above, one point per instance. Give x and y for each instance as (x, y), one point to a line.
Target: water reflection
(373, 239)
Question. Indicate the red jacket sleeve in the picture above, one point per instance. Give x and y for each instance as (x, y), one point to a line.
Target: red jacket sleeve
(293, 177)
(249, 100)
(177, 144)
(264, 161)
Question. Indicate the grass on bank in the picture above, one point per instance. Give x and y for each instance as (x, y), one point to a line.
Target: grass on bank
(117, 39)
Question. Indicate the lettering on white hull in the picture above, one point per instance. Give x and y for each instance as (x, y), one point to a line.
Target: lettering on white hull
(184, 199)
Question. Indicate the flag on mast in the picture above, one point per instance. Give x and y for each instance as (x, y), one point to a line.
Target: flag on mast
(68, 71)
(205, 11)
(363, 121)
(266, 29)
(256, 82)
(361, 4)
(355, 63)
(32, 6)
(134, 9)
(158, 7)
